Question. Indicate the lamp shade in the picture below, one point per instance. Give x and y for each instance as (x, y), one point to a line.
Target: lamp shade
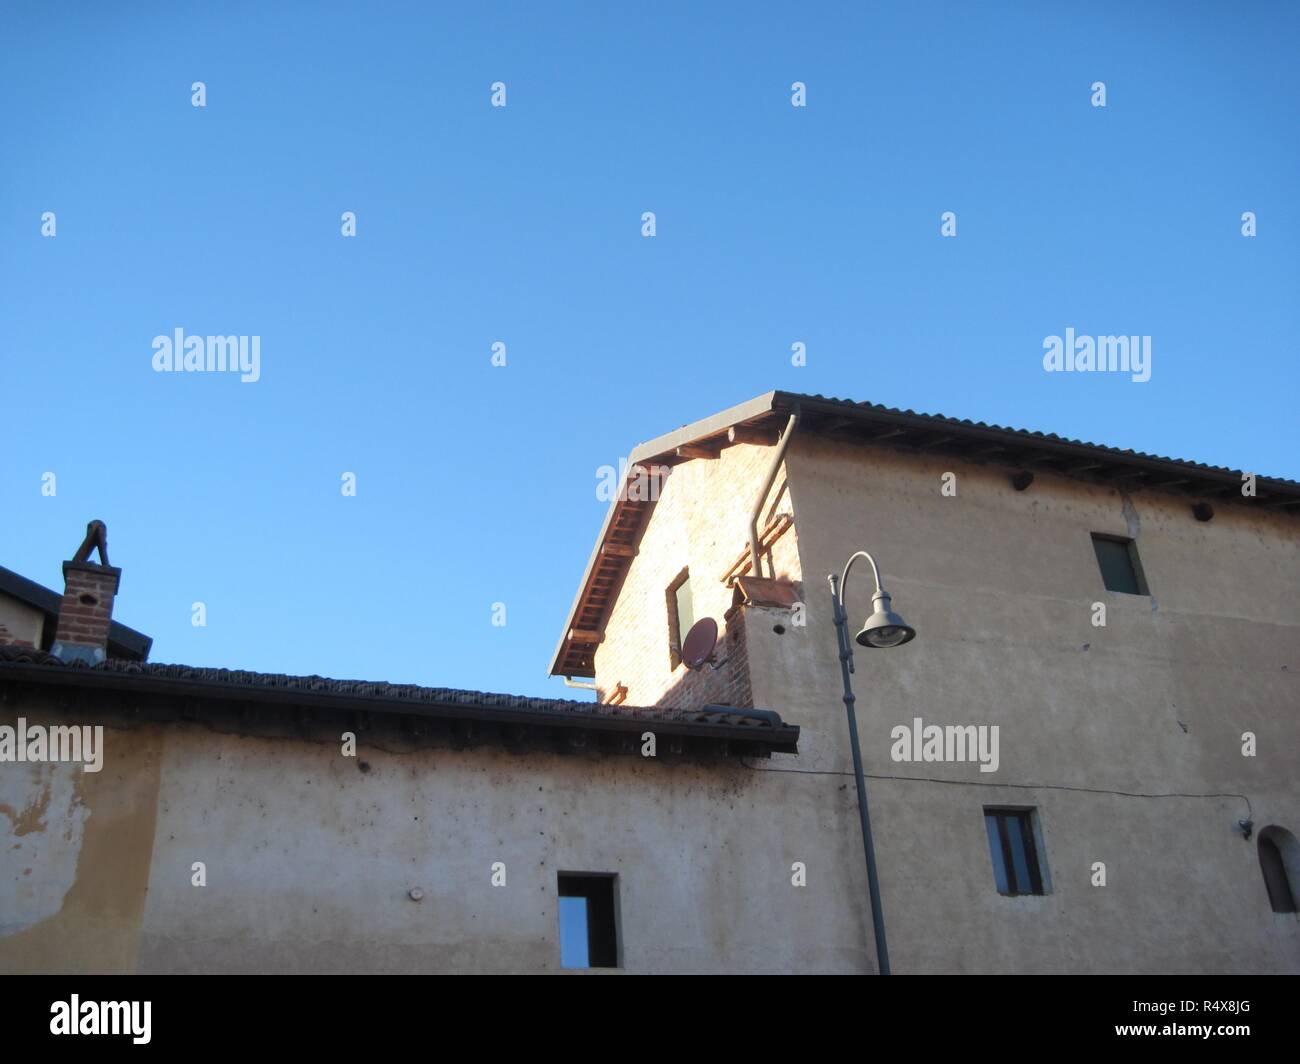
(884, 628)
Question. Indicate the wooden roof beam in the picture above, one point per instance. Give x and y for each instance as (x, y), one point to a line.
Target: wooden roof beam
(755, 434)
(702, 449)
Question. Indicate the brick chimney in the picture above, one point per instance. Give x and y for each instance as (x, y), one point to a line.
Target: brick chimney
(87, 607)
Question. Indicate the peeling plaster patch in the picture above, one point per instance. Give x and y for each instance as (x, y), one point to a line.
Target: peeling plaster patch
(1131, 517)
(31, 818)
(1134, 524)
(41, 831)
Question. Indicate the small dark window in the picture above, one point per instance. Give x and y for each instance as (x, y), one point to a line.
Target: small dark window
(1120, 568)
(681, 614)
(1281, 891)
(588, 926)
(1014, 851)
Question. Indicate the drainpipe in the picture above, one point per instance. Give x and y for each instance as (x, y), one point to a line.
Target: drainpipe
(570, 682)
(777, 459)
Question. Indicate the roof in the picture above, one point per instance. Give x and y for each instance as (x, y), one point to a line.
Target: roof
(174, 690)
(763, 417)
(123, 642)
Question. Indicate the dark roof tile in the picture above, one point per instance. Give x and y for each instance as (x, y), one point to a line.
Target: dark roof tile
(229, 682)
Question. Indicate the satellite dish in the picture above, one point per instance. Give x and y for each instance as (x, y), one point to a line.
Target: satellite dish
(697, 647)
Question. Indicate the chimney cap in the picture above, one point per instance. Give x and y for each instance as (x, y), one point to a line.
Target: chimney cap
(96, 539)
(110, 571)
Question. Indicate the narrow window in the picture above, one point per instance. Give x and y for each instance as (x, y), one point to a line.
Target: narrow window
(681, 614)
(1272, 862)
(1016, 868)
(1120, 568)
(588, 926)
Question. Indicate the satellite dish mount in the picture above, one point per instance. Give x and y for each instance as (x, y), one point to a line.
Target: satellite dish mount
(700, 645)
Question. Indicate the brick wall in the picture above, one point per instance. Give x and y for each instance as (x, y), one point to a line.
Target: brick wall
(699, 523)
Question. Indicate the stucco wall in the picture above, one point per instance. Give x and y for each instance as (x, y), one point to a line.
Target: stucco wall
(75, 850)
(310, 862)
(310, 858)
(1000, 586)
(19, 622)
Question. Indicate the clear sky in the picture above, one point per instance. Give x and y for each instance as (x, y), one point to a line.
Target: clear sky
(477, 224)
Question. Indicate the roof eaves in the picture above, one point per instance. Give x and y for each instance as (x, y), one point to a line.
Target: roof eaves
(183, 684)
(662, 449)
(1025, 439)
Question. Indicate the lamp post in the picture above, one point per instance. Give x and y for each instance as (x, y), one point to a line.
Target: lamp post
(884, 628)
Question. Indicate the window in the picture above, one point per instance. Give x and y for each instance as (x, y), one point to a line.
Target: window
(681, 614)
(588, 925)
(1275, 846)
(1016, 867)
(1120, 568)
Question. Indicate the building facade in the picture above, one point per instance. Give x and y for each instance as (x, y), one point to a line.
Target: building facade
(1127, 624)
(1137, 728)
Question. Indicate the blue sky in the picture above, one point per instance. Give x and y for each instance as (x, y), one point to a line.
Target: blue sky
(476, 484)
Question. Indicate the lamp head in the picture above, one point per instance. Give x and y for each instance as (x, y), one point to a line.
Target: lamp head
(884, 628)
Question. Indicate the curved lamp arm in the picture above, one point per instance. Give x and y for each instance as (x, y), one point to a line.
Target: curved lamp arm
(875, 572)
(884, 628)
(838, 588)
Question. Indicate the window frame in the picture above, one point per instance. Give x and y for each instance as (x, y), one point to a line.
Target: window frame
(1143, 589)
(614, 916)
(1277, 875)
(1025, 820)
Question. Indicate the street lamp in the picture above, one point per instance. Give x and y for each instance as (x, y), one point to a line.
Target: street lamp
(884, 628)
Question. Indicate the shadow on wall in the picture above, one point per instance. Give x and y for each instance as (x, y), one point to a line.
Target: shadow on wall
(1279, 862)
(725, 679)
